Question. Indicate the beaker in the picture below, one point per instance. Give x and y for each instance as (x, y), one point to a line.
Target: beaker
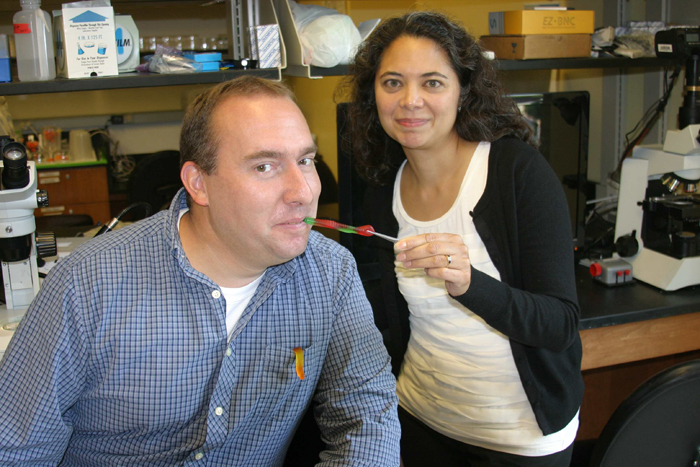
(80, 146)
(50, 142)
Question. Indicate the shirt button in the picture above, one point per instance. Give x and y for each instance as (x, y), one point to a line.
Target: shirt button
(218, 411)
(228, 352)
(216, 293)
(198, 456)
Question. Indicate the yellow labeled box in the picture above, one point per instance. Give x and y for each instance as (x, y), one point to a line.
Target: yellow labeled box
(538, 46)
(523, 22)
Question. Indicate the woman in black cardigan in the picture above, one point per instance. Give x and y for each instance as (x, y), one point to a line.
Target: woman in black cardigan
(479, 293)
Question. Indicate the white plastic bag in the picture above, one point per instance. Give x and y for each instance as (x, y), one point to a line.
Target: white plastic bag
(327, 37)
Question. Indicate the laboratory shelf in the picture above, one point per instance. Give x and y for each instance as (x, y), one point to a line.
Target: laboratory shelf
(143, 80)
(519, 65)
(128, 80)
(573, 63)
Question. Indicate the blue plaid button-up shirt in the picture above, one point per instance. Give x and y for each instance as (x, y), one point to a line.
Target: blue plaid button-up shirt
(123, 359)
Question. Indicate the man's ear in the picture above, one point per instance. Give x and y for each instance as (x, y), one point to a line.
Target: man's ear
(193, 180)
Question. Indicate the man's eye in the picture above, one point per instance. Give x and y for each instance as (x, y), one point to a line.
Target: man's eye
(263, 168)
(308, 161)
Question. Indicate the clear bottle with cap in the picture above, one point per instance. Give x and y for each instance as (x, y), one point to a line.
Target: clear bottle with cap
(34, 43)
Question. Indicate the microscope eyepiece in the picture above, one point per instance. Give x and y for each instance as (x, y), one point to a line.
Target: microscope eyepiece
(14, 154)
(14, 160)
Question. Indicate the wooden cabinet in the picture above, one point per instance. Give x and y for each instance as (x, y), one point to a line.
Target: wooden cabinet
(80, 190)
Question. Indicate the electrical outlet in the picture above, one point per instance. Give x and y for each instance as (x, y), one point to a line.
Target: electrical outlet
(121, 119)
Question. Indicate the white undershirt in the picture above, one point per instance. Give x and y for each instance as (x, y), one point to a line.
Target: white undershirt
(237, 298)
(459, 376)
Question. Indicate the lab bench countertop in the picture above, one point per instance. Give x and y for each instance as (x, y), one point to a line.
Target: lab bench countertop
(609, 306)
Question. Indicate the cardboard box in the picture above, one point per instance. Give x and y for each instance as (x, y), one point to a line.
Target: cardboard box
(524, 22)
(85, 42)
(538, 46)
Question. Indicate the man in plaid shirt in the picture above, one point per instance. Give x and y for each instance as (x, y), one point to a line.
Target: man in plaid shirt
(201, 335)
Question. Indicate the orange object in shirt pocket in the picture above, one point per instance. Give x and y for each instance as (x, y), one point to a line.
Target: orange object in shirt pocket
(299, 355)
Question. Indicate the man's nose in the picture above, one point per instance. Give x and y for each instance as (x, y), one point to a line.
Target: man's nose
(300, 186)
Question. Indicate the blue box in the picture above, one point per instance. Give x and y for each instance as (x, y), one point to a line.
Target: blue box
(5, 75)
(211, 66)
(203, 57)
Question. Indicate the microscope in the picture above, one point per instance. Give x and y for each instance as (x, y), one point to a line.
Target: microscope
(20, 247)
(658, 211)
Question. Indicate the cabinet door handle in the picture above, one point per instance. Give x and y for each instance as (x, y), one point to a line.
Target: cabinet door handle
(46, 178)
(53, 210)
(49, 181)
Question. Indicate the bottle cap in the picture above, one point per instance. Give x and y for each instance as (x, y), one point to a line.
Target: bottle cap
(30, 2)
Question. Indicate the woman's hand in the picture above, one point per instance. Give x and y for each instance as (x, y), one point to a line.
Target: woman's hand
(443, 256)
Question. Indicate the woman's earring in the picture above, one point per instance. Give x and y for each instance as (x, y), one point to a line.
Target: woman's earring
(459, 109)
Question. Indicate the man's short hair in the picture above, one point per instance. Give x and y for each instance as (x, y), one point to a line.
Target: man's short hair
(199, 141)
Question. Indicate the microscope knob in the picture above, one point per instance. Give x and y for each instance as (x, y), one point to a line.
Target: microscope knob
(627, 245)
(45, 244)
(42, 198)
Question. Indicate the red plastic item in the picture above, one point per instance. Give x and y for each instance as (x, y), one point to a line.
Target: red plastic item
(596, 269)
(364, 230)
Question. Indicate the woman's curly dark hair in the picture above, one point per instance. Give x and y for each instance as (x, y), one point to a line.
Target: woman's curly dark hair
(485, 115)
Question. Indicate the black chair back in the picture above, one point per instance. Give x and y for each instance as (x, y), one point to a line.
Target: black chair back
(156, 180)
(657, 425)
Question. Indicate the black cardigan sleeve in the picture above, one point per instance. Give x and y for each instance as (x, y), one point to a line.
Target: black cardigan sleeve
(524, 222)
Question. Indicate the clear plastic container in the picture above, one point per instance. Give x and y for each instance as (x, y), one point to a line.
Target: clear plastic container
(34, 43)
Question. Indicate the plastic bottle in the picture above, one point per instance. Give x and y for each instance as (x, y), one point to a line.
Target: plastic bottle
(34, 43)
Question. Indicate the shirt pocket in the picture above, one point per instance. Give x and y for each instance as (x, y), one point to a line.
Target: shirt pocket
(287, 395)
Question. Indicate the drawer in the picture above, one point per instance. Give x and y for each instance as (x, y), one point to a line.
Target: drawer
(74, 186)
(99, 212)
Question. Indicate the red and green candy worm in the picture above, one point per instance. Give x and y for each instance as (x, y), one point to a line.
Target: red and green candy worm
(364, 230)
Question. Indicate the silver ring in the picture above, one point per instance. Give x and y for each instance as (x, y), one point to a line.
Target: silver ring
(449, 260)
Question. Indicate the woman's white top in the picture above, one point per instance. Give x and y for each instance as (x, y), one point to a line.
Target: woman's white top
(459, 376)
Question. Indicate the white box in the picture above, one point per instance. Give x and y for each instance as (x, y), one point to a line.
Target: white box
(265, 45)
(127, 43)
(496, 23)
(85, 42)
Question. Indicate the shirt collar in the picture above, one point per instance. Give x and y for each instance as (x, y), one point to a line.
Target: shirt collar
(280, 273)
